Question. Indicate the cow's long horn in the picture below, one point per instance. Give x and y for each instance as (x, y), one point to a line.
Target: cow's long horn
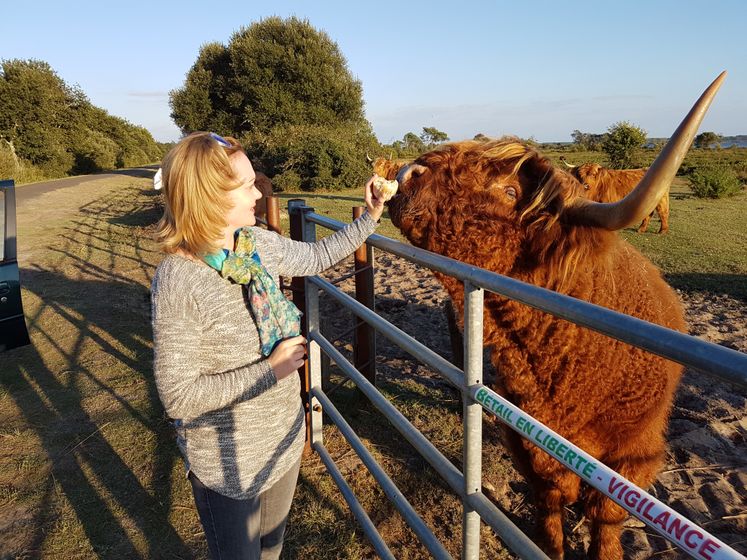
(567, 164)
(643, 199)
(406, 171)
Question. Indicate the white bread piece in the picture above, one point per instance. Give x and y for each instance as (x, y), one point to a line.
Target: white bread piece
(385, 189)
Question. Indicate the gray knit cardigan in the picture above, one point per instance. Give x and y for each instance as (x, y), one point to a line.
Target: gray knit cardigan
(238, 428)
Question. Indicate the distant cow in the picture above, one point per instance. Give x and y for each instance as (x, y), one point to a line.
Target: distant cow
(610, 185)
(502, 206)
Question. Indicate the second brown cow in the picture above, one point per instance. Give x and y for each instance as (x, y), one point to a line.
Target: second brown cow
(610, 185)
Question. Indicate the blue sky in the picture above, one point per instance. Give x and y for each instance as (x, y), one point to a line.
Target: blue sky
(534, 69)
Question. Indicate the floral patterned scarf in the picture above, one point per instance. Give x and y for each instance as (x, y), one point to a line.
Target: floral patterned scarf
(276, 317)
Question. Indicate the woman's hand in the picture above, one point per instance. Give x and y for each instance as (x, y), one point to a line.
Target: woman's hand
(374, 206)
(287, 356)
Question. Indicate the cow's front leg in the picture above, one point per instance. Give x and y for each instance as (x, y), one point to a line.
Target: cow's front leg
(606, 527)
(555, 488)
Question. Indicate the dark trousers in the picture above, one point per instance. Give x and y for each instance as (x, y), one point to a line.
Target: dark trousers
(249, 529)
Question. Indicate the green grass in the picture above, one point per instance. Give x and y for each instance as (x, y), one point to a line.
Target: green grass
(337, 205)
(88, 465)
(706, 247)
(734, 157)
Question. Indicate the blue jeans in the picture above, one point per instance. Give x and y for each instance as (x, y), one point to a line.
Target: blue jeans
(249, 529)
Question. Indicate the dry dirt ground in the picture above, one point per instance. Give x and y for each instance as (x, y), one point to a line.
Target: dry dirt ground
(705, 474)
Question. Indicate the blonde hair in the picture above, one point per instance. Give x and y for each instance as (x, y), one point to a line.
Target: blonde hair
(197, 173)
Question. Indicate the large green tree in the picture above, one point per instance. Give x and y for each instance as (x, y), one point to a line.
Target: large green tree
(707, 139)
(621, 143)
(284, 90)
(588, 141)
(37, 111)
(431, 136)
(274, 72)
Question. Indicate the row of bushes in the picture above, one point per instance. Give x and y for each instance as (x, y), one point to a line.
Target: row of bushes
(51, 129)
(717, 180)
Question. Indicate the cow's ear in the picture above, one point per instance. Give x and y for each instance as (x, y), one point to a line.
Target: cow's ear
(546, 190)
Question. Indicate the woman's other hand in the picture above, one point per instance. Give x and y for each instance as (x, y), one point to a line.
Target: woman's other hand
(287, 356)
(374, 206)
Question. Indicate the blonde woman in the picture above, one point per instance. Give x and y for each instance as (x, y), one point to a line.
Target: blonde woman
(226, 344)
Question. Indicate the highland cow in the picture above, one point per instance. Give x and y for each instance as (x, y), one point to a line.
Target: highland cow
(502, 206)
(610, 185)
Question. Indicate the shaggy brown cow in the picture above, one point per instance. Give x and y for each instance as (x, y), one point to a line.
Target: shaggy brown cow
(610, 185)
(263, 183)
(502, 206)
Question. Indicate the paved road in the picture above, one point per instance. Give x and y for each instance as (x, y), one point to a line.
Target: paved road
(25, 193)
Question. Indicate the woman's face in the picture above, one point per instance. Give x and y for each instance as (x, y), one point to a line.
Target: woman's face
(245, 196)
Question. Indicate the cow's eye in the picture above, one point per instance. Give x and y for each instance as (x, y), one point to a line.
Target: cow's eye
(511, 192)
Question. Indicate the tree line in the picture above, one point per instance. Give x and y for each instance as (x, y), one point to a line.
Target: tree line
(49, 128)
(623, 139)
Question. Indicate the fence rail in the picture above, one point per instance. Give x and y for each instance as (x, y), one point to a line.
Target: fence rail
(725, 363)
(715, 360)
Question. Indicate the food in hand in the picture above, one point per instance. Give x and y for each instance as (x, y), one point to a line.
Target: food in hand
(385, 189)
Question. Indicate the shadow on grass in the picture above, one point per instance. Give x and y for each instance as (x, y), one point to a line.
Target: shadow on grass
(85, 390)
(733, 285)
(95, 480)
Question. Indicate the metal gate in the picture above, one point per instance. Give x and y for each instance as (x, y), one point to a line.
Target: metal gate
(723, 363)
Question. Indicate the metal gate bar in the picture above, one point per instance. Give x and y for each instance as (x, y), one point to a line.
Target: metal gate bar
(713, 359)
(399, 337)
(472, 417)
(514, 538)
(426, 536)
(360, 514)
(725, 363)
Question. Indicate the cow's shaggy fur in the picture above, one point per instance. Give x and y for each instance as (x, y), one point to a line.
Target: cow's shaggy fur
(610, 185)
(502, 206)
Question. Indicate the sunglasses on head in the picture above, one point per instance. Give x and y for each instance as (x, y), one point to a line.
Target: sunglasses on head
(222, 141)
(158, 179)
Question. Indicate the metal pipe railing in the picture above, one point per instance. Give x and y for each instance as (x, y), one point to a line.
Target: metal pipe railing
(360, 514)
(670, 344)
(472, 417)
(425, 535)
(397, 336)
(514, 538)
(725, 363)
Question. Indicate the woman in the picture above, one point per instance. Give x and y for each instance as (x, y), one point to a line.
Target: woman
(226, 341)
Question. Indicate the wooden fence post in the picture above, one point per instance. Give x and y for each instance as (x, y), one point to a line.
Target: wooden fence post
(273, 215)
(296, 209)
